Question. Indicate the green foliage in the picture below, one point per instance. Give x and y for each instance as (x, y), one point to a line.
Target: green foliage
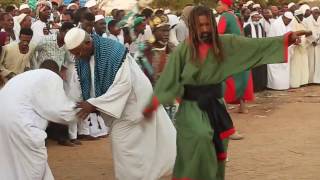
(5, 3)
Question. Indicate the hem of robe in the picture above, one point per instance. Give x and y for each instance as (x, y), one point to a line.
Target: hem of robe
(232, 96)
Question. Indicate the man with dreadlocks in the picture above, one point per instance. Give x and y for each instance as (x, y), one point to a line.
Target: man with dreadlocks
(195, 72)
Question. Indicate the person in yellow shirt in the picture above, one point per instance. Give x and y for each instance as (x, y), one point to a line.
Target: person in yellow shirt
(16, 56)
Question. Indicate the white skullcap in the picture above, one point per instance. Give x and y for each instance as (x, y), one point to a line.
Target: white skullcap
(291, 4)
(304, 8)
(20, 17)
(314, 8)
(24, 6)
(288, 15)
(71, 4)
(254, 13)
(249, 3)
(298, 12)
(90, 3)
(256, 6)
(46, 3)
(74, 37)
(98, 17)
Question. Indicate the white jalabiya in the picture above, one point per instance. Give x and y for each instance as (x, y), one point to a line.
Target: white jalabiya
(28, 102)
(37, 28)
(313, 51)
(142, 149)
(299, 69)
(266, 24)
(279, 74)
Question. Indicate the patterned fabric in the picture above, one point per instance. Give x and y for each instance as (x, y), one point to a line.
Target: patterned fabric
(48, 49)
(109, 56)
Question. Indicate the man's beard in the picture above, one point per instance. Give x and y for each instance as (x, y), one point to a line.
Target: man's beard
(206, 37)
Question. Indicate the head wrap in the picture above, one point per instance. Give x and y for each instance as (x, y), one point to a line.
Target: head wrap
(98, 17)
(314, 8)
(298, 12)
(254, 13)
(227, 2)
(20, 18)
(90, 3)
(249, 3)
(24, 6)
(290, 5)
(304, 8)
(44, 3)
(74, 38)
(72, 4)
(256, 6)
(288, 15)
(158, 21)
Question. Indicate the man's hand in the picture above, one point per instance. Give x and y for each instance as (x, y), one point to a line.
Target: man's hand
(296, 35)
(85, 109)
(298, 41)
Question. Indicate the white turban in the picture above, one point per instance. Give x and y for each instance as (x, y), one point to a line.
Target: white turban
(298, 12)
(304, 8)
(288, 15)
(90, 3)
(71, 4)
(24, 6)
(249, 3)
(74, 37)
(98, 18)
(254, 13)
(291, 4)
(314, 8)
(256, 6)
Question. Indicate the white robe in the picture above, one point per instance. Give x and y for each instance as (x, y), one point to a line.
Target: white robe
(313, 51)
(142, 150)
(28, 102)
(299, 69)
(279, 74)
(37, 28)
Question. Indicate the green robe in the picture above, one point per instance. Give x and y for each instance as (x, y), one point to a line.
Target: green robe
(196, 157)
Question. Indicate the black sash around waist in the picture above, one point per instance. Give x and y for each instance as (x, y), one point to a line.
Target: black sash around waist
(207, 98)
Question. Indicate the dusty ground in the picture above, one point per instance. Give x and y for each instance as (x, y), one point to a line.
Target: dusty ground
(282, 143)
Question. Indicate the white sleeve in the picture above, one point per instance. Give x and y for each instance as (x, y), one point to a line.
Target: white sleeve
(115, 99)
(51, 102)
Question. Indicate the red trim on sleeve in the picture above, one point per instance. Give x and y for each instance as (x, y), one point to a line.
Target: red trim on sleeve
(153, 106)
(227, 133)
(222, 156)
(222, 25)
(286, 46)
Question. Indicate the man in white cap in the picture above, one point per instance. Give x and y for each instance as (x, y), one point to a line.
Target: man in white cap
(306, 10)
(292, 7)
(255, 30)
(25, 9)
(249, 5)
(279, 74)
(73, 7)
(38, 26)
(28, 102)
(312, 23)
(92, 6)
(299, 69)
(100, 25)
(114, 87)
(22, 21)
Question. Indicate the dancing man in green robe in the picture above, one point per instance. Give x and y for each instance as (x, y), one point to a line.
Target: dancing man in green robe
(194, 73)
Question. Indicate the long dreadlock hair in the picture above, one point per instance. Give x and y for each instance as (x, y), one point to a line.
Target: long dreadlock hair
(194, 35)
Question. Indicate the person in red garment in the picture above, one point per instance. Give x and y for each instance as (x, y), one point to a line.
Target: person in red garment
(238, 87)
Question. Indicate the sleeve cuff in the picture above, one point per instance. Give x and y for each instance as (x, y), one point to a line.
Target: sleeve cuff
(286, 46)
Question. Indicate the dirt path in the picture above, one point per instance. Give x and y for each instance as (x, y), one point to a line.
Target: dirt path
(282, 143)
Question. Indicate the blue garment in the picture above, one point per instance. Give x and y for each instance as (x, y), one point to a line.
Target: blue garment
(109, 56)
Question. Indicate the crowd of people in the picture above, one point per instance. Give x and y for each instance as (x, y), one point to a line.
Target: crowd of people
(110, 62)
